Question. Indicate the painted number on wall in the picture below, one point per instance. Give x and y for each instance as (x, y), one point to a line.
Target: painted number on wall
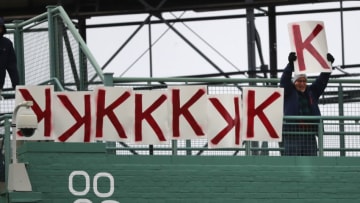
(87, 186)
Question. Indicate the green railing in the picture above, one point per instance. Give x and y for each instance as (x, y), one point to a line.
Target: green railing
(332, 141)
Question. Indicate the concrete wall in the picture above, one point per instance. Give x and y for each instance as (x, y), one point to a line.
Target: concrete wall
(65, 172)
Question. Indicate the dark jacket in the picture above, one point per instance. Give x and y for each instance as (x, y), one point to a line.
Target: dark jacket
(8, 62)
(291, 96)
(313, 91)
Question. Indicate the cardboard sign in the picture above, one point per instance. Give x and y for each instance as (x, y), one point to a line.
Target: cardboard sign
(308, 41)
(262, 114)
(155, 116)
(225, 123)
(42, 107)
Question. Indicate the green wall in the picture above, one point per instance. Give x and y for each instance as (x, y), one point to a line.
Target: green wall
(164, 179)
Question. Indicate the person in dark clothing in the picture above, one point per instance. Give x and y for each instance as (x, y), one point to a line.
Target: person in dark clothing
(7, 59)
(301, 99)
(7, 63)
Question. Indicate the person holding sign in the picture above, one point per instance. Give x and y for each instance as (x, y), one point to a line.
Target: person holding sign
(301, 99)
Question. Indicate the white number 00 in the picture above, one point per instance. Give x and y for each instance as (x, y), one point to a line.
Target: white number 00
(88, 186)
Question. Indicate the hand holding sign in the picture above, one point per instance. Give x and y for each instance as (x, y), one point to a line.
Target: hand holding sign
(308, 40)
(330, 58)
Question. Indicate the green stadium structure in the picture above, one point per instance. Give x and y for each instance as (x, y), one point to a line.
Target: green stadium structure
(51, 52)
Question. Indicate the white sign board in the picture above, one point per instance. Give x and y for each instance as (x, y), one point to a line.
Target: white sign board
(308, 41)
(262, 114)
(224, 124)
(155, 116)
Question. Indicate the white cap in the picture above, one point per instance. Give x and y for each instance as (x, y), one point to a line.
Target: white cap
(297, 76)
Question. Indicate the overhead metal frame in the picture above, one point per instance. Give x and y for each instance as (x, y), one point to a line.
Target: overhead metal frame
(81, 10)
(253, 39)
(88, 8)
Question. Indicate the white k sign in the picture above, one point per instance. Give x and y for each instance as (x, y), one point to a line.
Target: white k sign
(308, 40)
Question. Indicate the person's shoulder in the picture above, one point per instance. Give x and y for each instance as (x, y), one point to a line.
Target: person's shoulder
(5, 41)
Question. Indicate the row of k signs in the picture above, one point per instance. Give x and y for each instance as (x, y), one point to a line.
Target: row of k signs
(177, 113)
(155, 116)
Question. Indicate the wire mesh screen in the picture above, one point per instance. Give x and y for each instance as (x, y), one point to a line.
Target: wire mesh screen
(36, 54)
(68, 65)
(341, 136)
(74, 61)
(7, 106)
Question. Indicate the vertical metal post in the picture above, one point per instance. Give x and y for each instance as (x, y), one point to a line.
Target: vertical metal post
(188, 147)
(250, 22)
(19, 49)
(321, 137)
(150, 50)
(341, 122)
(7, 126)
(174, 149)
(272, 42)
(151, 147)
(251, 41)
(82, 58)
(53, 53)
(109, 82)
(342, 33)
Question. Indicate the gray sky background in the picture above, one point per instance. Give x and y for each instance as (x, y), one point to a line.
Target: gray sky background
(223, 41)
